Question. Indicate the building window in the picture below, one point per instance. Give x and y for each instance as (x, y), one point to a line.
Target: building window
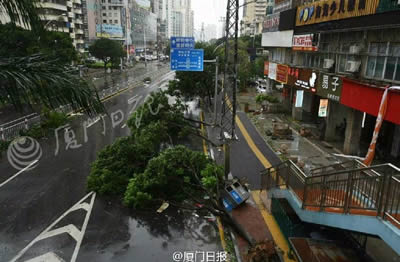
(104, 21)
(110, 21)
(115, 14)
(104, 14)
(383, 61)
(103, 7)
(116, 21)
(110, 8)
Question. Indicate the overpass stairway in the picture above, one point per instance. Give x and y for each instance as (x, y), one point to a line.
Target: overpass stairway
(347, 195)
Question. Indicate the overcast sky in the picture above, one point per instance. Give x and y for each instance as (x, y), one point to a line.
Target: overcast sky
(209, 12)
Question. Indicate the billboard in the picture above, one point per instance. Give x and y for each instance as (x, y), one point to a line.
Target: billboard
(109, 31)
(145, 4)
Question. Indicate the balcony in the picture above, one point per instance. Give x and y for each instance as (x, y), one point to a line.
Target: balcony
(78, 21)
(54, 18)
(79, 31)
(80, 41)
(78, 11)
(77, 2)
(53, 6)
(72, 35)
(71, 15)
(69, 4)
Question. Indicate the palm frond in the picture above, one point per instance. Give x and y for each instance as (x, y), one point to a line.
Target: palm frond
(22, 12)
(38, 80)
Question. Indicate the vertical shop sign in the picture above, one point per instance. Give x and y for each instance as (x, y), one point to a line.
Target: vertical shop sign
(299, 98)
(323, 108)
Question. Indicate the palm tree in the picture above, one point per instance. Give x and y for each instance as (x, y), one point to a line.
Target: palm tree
(37, 79)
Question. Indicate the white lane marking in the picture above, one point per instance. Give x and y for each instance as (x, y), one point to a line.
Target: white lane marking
(69, 229)
(212, 154)
(17, 174)
(92, 121)
(48, 257)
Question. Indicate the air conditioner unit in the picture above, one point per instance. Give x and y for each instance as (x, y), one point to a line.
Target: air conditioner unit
(328, 63)
(352, 66)
(355, 49)
(398, 2)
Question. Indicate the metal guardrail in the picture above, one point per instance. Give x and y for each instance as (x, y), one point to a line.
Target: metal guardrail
(352, 189)
(12, 129)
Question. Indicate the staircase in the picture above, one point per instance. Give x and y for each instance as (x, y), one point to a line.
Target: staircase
(347, 195)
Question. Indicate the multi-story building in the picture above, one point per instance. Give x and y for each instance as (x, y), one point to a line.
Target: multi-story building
(179, 18)
(345, 53)
(106, 18)
(253, 16)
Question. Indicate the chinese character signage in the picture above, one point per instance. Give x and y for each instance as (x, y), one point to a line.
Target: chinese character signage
(271, 23)
(323, 107)
(330, 86)
(272, 71)
(282, 73)
(304, 43)
(187, 59)
(182, 42)
(109, 31)
(323, 11)
(307, 79)
(266, 68)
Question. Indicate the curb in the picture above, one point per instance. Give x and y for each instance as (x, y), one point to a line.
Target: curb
(236, 247)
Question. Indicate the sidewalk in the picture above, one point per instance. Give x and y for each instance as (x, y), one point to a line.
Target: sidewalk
(254, 151)
(247, 160)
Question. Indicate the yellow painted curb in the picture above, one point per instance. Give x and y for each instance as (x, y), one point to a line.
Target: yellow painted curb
(273, 227)
(220, 227)
(270, 221)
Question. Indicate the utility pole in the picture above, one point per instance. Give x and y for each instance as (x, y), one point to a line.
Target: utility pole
(144, 39)
(228, 114)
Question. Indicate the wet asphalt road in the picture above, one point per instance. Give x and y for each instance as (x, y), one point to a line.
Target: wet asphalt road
(36, 201)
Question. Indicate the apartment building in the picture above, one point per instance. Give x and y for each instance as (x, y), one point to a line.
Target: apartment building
(179, 18)
(253, 16)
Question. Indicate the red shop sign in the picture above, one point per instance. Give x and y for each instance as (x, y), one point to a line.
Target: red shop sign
(367, 99)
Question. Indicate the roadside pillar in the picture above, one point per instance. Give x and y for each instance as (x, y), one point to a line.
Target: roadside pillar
(353, 132)
(395, 150)
(330, 131)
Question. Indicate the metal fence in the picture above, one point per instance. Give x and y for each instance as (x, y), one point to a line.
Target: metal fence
(11, 130)
(372, 191)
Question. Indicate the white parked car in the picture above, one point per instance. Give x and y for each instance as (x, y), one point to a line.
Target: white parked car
(261, 89)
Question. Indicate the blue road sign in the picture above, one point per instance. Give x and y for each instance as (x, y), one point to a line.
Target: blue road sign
(236, 196)
(187, 59)
(182, 42)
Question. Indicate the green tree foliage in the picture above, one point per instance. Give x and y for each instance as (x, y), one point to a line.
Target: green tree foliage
(55, 46)
(38, 80)
(22, 12)
(178, 174)
(154, 124)
(157, 109)
(258, 67)
(107, 50)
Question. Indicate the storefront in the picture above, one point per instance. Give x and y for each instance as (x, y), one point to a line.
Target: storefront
(366, 100)
(329, 88)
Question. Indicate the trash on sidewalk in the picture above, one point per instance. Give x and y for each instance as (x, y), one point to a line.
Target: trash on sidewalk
(164, 206)
(264, 251)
